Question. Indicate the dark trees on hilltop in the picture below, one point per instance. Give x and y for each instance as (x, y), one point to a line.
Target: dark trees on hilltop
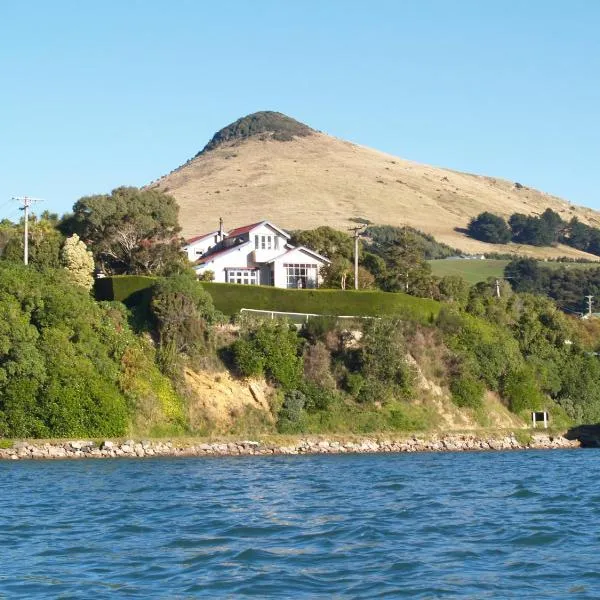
(490, 228)
(544, 230)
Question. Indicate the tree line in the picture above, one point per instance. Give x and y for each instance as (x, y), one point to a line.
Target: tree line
(546, 229)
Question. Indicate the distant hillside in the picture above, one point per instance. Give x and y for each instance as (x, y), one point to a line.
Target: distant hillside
(267, 165)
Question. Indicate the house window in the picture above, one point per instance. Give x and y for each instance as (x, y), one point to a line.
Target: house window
(243, 276)
(269, 242)
(263, 242)
(276, 242)
(256, 242)
(300, 275)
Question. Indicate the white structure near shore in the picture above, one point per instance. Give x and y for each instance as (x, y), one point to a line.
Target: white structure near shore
(257, 254)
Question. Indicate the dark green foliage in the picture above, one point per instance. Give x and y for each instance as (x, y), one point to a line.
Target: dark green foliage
(383, 364)
(522, 391)
(129, 231)
(270, 348)
(59, 359)
(266, 124)
(327, 241)
(181, 311)
(566, 286)
(381, 236)
(546, 229)
(291, 410)
(230, 298)
(467, 391)
(128, 289)
(45, 242)
(490, 228)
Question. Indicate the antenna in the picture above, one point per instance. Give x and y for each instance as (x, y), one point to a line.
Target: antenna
(27, 202)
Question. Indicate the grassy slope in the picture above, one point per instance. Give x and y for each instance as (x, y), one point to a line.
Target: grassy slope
(479, 270)
(319, 180)
(471, 270)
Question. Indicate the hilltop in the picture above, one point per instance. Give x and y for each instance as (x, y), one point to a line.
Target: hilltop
(268, 165)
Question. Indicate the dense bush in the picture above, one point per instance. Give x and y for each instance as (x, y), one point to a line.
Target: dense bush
(272, 349)
(490, 228)
(467, 391)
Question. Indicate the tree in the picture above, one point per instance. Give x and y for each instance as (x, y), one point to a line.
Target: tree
(45, 242)
(326, 241)
(488, 227)
(78, 261)
(182, 310)
(406, 270)
(129, 230)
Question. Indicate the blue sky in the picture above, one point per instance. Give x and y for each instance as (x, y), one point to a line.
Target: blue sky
(99, 94)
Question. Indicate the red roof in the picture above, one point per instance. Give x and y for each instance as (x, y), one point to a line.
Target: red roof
(200, 237)
(208, 257)
(244, 229)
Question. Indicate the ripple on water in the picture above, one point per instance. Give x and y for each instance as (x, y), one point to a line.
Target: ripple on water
(493, 525)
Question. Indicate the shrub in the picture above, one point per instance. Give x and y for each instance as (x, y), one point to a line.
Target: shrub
(522, 391)
(317, 365)
(270, 348)
(292, 411)
(467, 391)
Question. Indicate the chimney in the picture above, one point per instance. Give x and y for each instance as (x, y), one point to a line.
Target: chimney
(220, 229)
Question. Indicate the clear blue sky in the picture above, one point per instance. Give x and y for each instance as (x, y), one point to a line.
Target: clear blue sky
(106, 93)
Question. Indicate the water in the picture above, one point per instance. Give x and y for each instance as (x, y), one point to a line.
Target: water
(489, 525)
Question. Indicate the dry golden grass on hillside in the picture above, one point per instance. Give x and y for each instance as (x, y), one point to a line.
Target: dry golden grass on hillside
(319, 180)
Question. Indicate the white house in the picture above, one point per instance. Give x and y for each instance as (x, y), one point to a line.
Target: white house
(257, 254)
(199, 245)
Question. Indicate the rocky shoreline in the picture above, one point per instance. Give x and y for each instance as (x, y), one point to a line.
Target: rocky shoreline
(23, 450)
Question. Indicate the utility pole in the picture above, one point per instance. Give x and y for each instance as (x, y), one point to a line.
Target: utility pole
(357, 231)
(589, 303)
(26, 201)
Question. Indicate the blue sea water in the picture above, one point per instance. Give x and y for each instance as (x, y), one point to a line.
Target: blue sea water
(453, 525)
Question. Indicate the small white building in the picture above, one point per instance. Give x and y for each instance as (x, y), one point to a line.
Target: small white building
(257, 254)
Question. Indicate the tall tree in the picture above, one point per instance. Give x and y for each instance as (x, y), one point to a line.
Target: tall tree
(129, 230)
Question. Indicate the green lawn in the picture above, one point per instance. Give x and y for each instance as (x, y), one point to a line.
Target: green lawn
(472, 270)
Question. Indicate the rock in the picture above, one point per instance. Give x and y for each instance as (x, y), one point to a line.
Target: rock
(107, 445)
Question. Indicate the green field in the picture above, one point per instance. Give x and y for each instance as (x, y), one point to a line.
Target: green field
(474, 270)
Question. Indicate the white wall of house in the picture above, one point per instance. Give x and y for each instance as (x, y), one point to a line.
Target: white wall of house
(240, 257)
(196, 249)
(306, 267)
(267, 243)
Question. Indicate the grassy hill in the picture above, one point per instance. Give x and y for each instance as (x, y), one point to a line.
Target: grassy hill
(269, 166)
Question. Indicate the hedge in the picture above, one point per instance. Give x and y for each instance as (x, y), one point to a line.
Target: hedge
(132, 290)
(229, 298)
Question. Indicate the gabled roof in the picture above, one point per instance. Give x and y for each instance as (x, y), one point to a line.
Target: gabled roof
(198, 238)
(208, 257)
(303, 249)
(249, 228)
